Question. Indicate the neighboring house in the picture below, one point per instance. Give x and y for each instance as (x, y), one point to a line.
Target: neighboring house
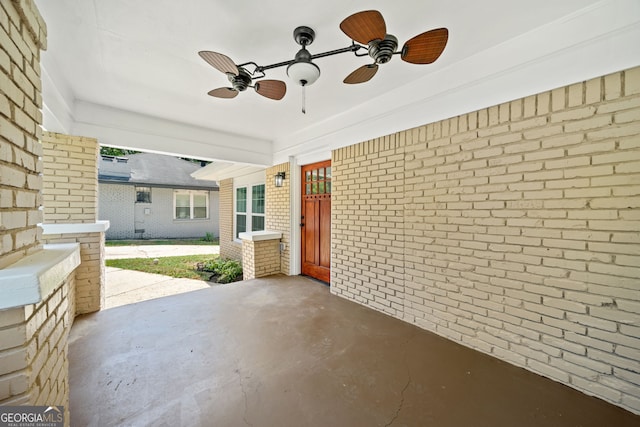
(150, 195)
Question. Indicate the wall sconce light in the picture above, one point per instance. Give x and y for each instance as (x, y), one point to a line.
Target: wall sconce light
(279, 179)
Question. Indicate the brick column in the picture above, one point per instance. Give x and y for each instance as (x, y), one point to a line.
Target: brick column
(33, 337)
(70, 188)
(229, 248)
(260, 254)
(278, 208)
(70, 194)
(22, 35)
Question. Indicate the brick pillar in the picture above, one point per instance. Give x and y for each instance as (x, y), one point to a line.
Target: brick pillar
(70, 189)
(33, 338)
(70, 194)
(229, 248)
(278, 211)
(22, 35)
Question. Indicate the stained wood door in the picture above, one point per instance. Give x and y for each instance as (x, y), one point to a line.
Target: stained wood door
(316, 220)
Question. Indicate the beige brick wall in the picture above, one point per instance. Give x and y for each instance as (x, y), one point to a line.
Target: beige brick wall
(278, 207)
(33, 338)
(70, 196)
(513, 230)
(34, 349)
(70, 190)
(260, 258)
(22, 35)
(229, 248)
(367, 227)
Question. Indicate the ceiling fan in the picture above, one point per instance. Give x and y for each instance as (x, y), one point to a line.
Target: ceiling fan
(369, 28)
(241, 78)
(366, 29)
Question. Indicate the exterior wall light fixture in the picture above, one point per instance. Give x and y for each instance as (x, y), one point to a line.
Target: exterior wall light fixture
(279, 179)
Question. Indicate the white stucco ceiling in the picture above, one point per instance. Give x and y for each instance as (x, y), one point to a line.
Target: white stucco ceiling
(127, 71)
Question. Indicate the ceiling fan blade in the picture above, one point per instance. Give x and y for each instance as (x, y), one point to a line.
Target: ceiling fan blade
(362, 74)
(364, 26)
(272, 89)
(425, 48)
(219, 61)
(223, 92)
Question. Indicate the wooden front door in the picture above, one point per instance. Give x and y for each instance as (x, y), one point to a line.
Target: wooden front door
(316, 220)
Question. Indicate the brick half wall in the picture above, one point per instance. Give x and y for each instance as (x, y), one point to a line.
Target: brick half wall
(512, 230)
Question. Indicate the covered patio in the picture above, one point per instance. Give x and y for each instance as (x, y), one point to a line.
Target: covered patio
(284, 351)
(477, 219)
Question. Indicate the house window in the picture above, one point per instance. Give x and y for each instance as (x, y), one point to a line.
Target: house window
(241, 210)
(257, 207)
(250, 208)
(143, 194)
(191, 204)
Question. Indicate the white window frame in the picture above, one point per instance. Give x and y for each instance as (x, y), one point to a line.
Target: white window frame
(248, 183)
(191, 194)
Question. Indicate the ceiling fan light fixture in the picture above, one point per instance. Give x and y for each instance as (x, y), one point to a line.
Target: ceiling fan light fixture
(302, 70)
(304, 73)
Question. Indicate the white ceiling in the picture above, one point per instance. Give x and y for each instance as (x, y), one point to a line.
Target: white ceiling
(127, 71)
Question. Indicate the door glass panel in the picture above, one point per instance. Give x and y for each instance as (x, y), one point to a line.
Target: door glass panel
(314, 188)
(308, 176)
(329, 187)
(321, 187)
(321, 174)
(314, 175)
(329, 172)
(308, 191)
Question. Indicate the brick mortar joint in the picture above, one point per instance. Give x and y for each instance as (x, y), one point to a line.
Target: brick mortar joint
(39, 38)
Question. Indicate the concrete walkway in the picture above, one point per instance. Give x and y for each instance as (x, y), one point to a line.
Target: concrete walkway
(128, 286)
(159, 251)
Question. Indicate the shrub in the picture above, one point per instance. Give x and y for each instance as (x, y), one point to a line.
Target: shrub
(226, 270)
(208, 237)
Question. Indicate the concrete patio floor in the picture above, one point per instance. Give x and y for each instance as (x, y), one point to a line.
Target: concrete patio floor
(283, 351)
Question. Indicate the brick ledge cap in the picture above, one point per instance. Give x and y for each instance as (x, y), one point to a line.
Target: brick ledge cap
(35, 277)
(75, 228)
(261, 235)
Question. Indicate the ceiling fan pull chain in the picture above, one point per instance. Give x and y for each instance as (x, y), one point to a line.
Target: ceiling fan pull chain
(304, 100)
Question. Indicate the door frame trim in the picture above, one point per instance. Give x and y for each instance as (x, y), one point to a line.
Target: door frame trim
(295, 252)
(295, 189)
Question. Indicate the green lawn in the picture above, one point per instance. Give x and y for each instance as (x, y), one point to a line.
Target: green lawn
(160, 242)
(175, 266)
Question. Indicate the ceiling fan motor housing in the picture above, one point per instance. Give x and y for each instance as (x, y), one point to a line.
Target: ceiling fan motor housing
(303, 35)
(240, 82)
(382, 50)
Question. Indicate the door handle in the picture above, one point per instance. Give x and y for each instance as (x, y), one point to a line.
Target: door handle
(302, 224)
